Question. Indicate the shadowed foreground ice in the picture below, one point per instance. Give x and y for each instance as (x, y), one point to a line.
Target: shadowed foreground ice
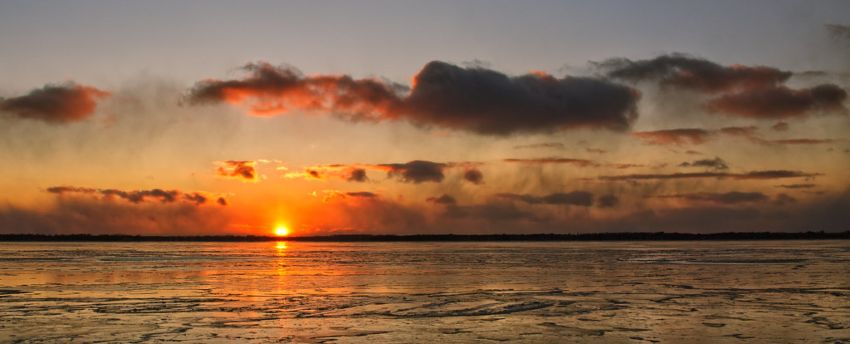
(680, 292)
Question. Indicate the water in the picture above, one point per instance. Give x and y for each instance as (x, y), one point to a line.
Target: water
(612, 292)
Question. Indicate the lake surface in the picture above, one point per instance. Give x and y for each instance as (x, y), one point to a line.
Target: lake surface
(611, 292)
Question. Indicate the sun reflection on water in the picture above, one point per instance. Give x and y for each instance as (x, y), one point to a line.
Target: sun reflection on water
(280, 268)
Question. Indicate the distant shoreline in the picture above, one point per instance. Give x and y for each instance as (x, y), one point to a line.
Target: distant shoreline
(630, 236)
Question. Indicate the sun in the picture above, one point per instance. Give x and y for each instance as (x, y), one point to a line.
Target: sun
(281, 230)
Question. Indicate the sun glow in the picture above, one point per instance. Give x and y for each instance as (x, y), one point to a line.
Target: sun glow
(281, 230)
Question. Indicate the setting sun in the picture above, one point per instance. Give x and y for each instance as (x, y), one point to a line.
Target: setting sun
(281, 230)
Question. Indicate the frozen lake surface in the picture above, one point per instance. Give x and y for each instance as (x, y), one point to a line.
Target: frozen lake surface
(534, 292)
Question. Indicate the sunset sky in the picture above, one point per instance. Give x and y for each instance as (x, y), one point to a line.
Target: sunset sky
(208, 117)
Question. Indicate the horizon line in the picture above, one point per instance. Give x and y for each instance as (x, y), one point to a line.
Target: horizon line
(603, 236)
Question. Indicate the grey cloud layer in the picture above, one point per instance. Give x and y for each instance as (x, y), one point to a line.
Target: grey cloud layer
(745, 91)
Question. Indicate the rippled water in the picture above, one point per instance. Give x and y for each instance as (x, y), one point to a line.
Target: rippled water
(612, 292)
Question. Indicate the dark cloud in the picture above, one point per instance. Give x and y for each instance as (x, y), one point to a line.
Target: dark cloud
(780, 126)
(624, 166)
(607, 201)
(733, 197)
(571, 161)
(195, 197)
(683, 71)
(692, 136)
(135, 196)
(797, 186)
(839, 31)
(715, 164)
(244, 170)
(473, 176)
(362, 194)
(473, 99)
(357, 175)
(595, 150)
(552, 145)
(780, 101)
(489, 102)
(63, 103)
(766, 174)
(70, 189)
(774, 174)
(577, 198)
(746, 132)
(417, 171)
(695, 136)
(801, 141)
(335, 195)
(444, 200)
(554, 160)
(746, 91)
(674, 136)
(350, 173)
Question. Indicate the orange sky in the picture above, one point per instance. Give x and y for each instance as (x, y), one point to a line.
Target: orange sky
(667, 142)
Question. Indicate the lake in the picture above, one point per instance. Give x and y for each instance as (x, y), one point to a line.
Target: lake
(533, 292)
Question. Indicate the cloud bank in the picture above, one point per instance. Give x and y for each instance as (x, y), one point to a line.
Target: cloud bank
(744, 91)
(472, 99)
(139, 196)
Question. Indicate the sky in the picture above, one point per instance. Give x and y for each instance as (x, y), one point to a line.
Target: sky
(397, 117)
